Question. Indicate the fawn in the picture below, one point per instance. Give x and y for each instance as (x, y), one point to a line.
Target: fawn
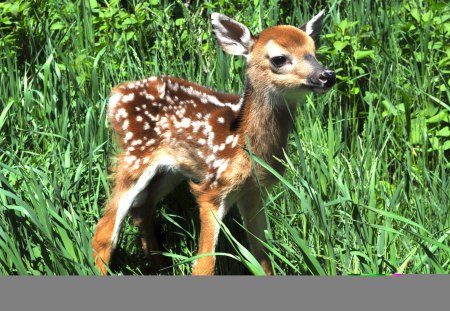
(172, 130)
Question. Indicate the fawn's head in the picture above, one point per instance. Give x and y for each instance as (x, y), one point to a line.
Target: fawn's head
(281, 60)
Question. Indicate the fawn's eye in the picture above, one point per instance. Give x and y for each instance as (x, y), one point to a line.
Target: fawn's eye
(278, 61)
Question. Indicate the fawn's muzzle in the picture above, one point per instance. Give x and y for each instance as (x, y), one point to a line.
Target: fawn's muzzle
(327, 78)
(323, 79)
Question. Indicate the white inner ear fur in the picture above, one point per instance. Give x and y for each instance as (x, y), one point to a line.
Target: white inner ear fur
(229, 45)
(232, 47)
(246, 36)
(310, 24)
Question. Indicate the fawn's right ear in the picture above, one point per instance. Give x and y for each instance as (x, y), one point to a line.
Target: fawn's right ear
(314, 26)
(233, 37)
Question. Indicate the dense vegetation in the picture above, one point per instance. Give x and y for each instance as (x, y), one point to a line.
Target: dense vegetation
(367, 187)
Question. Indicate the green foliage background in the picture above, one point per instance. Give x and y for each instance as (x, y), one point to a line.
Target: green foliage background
(367, 184)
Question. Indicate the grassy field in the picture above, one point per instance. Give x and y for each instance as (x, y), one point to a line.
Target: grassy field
(367, 185)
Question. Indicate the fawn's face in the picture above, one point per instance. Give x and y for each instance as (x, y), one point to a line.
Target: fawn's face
(281, 59)
(287, 61)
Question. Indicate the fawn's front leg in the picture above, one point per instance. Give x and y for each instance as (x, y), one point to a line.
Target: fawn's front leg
(251, 209)
(212, 211)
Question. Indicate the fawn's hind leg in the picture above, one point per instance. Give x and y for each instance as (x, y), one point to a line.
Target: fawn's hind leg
(124, 197)
(144, 216)
(102, 243)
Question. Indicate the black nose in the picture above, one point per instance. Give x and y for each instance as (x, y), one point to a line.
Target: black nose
(327, 78)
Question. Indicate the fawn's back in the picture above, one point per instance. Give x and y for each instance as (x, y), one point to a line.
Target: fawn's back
(198, 127)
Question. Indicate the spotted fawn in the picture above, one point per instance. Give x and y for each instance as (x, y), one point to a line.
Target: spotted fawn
(171, 130)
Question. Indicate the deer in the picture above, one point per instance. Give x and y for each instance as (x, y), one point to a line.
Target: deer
(171, 130)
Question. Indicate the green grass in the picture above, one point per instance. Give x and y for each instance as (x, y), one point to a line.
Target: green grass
(367, 184)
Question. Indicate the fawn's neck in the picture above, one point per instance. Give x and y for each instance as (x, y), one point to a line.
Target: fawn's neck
(267, 121)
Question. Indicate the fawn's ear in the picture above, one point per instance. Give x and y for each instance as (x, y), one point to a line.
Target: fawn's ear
(233, 37)
(314, 26)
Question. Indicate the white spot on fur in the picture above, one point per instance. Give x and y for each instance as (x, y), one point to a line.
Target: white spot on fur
(125, 125)
(218, 163)
(113, 101)
(222, 167)
(130, 159)
(229, 139)
(200, 154)
(210, 140)
(128, 98)
(161, 89)
(167, 135)
(210, 158)
(128, 136)
(174, 86)
(136, 165)
(169, 100)
(139, 118)
(149, 96)
(186, 122)
(150, 142)
(221, 120)
(196, 125)
(205, 98)
(235, 141)
(121, 113)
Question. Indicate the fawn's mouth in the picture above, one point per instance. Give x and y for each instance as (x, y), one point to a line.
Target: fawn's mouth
(320, 89)
(317, 88)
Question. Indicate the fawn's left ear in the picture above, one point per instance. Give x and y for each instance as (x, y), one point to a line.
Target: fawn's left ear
(233, 37)
(314, 26)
